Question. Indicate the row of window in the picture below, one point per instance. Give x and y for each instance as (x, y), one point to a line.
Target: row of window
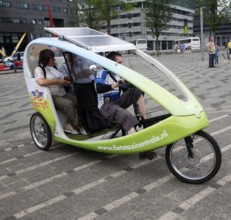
(34, 6)
(138, 24)
(133, 34)
(23, 21)
(5, 3)
(9, 38)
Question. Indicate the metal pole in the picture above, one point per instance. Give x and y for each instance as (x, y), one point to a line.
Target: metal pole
(202, 33)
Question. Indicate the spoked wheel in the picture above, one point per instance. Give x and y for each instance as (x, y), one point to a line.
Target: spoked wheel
(195, 159)
(40, 132)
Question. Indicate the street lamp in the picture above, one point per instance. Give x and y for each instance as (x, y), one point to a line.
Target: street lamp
(202, 33)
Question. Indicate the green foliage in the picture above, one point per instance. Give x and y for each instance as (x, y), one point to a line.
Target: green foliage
(109, 9)
(158, 14)
(93, 13)
(90, 15)
(216, 12)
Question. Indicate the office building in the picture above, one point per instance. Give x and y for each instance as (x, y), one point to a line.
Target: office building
(131, 26)
(25, 16)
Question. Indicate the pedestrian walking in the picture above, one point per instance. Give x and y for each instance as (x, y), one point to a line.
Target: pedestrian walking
(182, 47)
(211, 51)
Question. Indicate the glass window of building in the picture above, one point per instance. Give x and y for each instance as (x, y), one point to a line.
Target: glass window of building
(23, 5)
(15, 38)
(1, 38)
(54, 9)
(40, 21)
(38, 7)
(34, 21)
(15, 20)
(5, 3)
(22, 21)
(65, 10)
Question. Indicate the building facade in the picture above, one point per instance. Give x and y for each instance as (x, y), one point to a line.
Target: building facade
(131, 26)
(30, 17)
(25, 16)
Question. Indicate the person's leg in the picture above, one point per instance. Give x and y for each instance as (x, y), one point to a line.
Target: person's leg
(121, 116)
(141, 106)
(67, 105)
(13, 67)
(213, 57)
(132, 96)
(210, 60)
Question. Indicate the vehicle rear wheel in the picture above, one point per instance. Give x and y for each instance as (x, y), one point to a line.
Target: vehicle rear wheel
(195, 159)
(40, 132)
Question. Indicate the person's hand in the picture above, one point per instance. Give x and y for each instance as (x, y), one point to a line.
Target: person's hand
(120, 82)
(64, 82)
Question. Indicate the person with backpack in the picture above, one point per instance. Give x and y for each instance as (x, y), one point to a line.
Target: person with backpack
(47, 75)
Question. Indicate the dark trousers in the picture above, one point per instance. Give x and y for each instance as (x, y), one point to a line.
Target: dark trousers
(211, 60)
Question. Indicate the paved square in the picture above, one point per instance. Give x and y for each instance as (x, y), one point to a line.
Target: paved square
(70, 183)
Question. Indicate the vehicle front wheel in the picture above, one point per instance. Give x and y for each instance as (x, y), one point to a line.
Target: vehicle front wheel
(195, 159)
(40, 132)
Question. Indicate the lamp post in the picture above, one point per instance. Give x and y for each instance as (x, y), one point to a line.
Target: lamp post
(202, 33)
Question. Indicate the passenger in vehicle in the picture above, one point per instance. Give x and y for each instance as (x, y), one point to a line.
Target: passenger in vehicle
(112, 104)
(56, 82)
(79, 69)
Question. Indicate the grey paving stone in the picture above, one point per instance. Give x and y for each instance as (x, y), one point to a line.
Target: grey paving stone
(212, 88)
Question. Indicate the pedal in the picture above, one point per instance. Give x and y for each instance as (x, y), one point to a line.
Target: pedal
(148, 155)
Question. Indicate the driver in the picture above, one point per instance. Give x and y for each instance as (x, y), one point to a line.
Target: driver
(113, 105)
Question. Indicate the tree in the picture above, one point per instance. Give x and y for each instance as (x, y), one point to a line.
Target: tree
(90, 15)
(158, 14)
(215, 13)
(110, 9)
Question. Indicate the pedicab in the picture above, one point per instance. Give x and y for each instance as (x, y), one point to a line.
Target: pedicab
(176, 119)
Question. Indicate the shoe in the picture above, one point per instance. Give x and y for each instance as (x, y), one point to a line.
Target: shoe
(82, 131)
(148, 155)
(70, 130)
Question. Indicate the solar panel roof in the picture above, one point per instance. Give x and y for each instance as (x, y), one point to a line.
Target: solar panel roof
(91, 39)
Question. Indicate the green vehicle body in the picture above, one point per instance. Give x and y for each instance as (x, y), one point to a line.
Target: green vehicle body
(186, 117)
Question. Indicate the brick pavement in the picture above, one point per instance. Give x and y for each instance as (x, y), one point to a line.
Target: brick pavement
(70, 183)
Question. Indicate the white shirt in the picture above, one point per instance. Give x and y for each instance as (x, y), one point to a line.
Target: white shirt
(51, 73)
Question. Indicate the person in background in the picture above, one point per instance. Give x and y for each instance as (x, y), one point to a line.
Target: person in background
(56, 82)
(113, 105)
(229, 46)
(9, 63)
(182, 48)
(211, 51)
(217, 51)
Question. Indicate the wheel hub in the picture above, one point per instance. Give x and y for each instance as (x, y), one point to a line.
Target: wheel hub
(195, 159)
